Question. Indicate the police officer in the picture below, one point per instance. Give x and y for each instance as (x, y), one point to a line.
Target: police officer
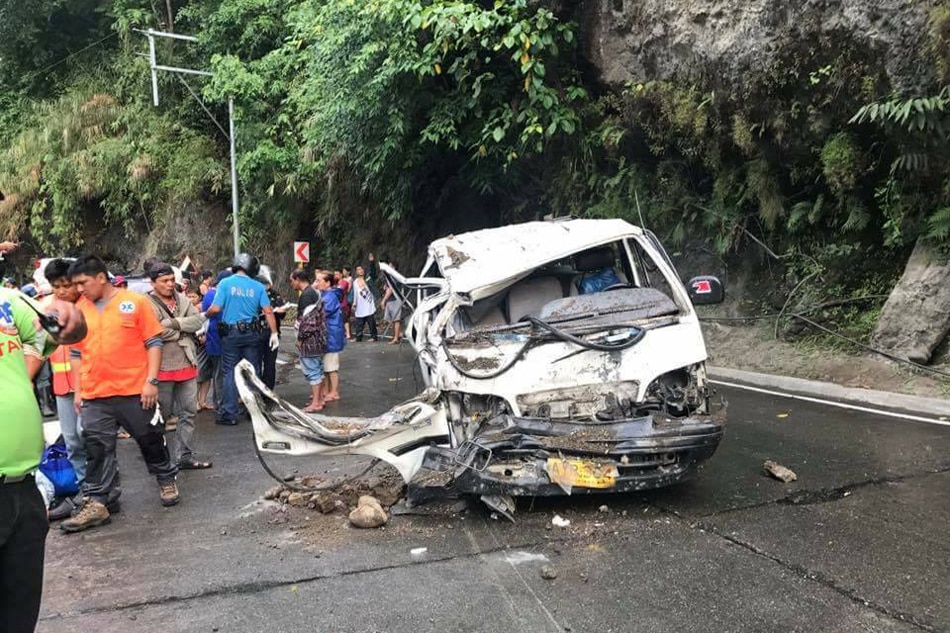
(239, 300)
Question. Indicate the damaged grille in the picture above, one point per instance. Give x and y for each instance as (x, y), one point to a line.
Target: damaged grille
(600, 401)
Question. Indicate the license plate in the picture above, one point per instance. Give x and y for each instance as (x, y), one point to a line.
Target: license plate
(582, 473)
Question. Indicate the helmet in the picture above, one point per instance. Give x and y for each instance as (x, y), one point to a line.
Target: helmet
(246, 262)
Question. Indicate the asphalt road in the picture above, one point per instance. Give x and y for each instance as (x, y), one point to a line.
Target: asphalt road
(858, 543)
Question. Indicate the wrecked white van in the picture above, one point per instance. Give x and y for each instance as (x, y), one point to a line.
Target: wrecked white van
(559, 357)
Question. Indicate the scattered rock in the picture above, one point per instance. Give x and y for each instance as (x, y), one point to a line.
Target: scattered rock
(325, 502)
(560, 522)
(298, 499)
(368, 513)
(284, 494)
(273, 493)
(603, 508)
(369, 500)
(916, 317)
(776, 470)
(548, 572)
(388, 495)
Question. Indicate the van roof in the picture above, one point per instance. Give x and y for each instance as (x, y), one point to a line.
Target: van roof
(490, 257)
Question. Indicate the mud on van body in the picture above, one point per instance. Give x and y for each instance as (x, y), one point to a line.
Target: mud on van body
(559, 357)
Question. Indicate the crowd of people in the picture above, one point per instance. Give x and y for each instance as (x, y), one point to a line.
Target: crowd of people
(129, 363)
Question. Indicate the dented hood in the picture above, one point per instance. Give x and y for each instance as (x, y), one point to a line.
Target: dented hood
(477, 263)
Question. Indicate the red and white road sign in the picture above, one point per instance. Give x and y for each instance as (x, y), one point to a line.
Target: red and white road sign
(301, 252)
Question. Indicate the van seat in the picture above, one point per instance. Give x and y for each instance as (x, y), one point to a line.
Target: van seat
(526, 298)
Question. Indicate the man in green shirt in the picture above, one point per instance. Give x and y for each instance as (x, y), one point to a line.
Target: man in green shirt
(23, 522)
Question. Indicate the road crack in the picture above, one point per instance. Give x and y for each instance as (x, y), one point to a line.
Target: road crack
(811, 575)
(821, 579)
(812, 497)
(261, 586)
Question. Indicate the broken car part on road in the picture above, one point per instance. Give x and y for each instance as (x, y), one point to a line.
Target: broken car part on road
(559, 357)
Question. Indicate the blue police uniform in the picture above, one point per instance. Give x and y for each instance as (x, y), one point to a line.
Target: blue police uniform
(241, 300)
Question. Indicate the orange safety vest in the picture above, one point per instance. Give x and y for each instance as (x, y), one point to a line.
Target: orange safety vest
(114, 358)
(62, 371)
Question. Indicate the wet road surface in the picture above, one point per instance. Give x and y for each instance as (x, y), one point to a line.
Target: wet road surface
(858, 543)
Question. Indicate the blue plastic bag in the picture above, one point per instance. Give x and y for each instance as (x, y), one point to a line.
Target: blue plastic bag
(597, 282)
(56, 467)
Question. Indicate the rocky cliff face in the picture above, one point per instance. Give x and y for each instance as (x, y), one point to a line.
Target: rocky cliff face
(732, 42)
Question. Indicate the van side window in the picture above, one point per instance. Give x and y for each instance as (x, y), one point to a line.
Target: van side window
(649, 273)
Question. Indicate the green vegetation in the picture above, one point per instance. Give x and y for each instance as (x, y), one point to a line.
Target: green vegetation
(384, 119)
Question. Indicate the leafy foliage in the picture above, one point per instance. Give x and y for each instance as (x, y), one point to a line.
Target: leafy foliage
(91, 159)
(388, 88)
(394, 119)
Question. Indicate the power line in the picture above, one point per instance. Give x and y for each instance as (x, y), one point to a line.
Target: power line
(203, 106)
(43, 71)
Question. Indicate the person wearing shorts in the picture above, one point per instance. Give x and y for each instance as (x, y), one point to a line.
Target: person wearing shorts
(336, 333)
(311, 336)
(392, 311)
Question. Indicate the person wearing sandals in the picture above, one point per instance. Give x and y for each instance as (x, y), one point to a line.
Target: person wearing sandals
(336, 334)
(311, 336)
(178, 375)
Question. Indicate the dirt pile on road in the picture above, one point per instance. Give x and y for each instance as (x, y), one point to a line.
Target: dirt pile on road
(338, 494)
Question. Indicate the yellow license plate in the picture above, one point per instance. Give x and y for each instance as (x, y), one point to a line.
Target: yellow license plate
(581, 473)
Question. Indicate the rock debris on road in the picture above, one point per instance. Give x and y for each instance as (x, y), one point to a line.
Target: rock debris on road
(860, 547)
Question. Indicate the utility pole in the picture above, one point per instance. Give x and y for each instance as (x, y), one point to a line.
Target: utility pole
(155, 67)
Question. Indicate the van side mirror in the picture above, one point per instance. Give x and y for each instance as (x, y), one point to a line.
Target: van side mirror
(705, 290)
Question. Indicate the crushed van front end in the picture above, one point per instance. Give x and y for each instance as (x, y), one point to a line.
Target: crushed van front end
(540, 457)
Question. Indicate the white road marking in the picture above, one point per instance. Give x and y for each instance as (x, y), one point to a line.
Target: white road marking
(832, 403)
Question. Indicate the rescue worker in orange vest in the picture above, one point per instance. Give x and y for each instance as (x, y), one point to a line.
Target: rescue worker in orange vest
(118, 364)
(64, 388)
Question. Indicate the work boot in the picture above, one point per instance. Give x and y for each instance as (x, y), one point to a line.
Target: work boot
(168, 493)
(91, 514)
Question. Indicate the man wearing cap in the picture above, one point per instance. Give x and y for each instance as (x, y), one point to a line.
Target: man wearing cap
(239, 300)
(23, 522)
(117, 366)
(178, 375)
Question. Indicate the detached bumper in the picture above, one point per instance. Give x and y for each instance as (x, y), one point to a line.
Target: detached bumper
(641, 453)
